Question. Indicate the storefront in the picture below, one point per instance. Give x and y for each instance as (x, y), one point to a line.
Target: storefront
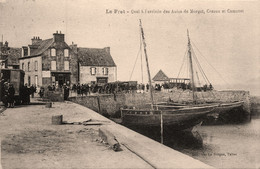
(60, 78)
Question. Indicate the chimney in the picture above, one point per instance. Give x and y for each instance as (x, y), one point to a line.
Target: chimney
(58, 37)
(107, 49)
(6, 44)
(74, 47)
(24, 51)
(35, 40)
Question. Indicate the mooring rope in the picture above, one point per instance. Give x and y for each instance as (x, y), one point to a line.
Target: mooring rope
(138, 155)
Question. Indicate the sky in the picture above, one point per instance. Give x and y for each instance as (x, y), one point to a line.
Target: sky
(229, 42)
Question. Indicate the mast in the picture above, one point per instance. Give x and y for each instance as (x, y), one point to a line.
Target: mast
(147, 64)
(191, 69)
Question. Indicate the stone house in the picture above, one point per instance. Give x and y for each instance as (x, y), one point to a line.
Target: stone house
(47, 62)
(9, 56)
(96, 65)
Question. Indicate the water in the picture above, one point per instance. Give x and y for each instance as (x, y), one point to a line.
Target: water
(226, 146)
(221, 146)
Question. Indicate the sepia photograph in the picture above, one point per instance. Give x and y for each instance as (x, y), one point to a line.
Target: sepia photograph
(129, 84)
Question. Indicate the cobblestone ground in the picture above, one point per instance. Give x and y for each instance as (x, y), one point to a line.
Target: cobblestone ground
(30, 141)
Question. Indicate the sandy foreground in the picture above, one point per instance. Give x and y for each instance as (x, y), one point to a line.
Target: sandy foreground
(29, 140)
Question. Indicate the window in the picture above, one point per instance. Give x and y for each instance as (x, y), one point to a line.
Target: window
(66, 52)
(22, 66)
(93, 71)
(105, 70)
(29, 80)
(53, 52)
(36, 80)
(36, 65)
(25, 52)
(53, 65)
(66, 65)
(29, 68)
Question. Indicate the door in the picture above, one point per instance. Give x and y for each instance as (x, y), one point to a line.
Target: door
(102, 80)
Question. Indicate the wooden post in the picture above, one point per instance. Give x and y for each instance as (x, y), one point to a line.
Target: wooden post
(98, 102)
(121, 113)
(161, 127)
(0, 154)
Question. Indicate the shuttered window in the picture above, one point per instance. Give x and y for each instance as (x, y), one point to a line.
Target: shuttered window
(29, 67)
(53, 65)
(66, 65)
(93, 71)
(66, 53)
(53, 52)
(105, 70)
(36, 65)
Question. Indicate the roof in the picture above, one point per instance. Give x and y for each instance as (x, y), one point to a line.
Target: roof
(42, 46)
(13, 55)
(179, 78)
(160, 76)
(39, 47)
(95, 57)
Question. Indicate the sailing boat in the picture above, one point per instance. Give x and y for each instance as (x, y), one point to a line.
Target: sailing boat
(173, 119)
(220, 106)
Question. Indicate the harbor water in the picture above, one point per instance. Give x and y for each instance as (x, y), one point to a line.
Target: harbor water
(221, 146)
(224, 146)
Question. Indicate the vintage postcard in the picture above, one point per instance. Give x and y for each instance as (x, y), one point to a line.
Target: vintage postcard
(129, 84)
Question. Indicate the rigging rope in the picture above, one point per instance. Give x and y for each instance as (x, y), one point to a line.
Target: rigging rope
(202, 72)
(210, 64)
(183, 61)
(200, 86)
(199, 66)
(140, 51)
(134, 65)
(141, 60)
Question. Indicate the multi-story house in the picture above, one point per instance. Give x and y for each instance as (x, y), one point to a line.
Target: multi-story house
(9, 56)
(47, 62)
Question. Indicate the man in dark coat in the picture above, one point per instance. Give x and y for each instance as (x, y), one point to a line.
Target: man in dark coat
(11, 92)
(41, 93)
(32, 90)
(147, 87)
(4, 91)
(66, 92)
(26, 94)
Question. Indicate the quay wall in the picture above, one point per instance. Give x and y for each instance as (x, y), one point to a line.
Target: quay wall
(110, 104)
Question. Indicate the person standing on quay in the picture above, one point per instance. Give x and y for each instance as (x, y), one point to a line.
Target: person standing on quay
(5, 94)
(11, 92)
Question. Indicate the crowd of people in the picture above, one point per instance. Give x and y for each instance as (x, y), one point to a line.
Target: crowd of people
(26, 91)
(8, 92)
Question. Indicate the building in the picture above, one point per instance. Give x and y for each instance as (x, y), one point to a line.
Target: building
(54, 62)
(96, 65)
(47, 62)
(160, 78)
(9, 56)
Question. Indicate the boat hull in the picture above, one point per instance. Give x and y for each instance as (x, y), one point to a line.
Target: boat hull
(225, 107)
(220, 107)
(173, 120)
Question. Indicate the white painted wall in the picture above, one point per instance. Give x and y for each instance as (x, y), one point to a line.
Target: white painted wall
(86, 77)
(33, 72)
